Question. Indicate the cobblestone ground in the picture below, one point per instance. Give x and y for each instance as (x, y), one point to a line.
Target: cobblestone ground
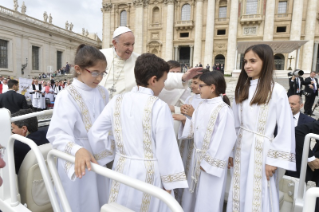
(231, 85)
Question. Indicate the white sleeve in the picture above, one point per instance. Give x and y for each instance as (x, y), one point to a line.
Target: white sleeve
(174, 80)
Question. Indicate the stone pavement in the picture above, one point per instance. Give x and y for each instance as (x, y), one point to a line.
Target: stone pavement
(231, 85)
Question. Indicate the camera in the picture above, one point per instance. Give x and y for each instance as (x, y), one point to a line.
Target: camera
(296, 73)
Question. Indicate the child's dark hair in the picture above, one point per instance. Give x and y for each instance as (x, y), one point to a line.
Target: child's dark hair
(203, 71)
(173, 64)
(148, 65)
(87, 56)
(216, 78)
(266, 81)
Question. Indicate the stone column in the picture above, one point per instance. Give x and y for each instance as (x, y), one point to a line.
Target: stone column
(176, 53)
(269, 20)
(198, 32)
(310, 35)
(295, 27)
(169, 30)
(210, 26)
(138, 31)
(191, 56)
(128, 15)
(232, 37)
(106, 39)
(315, 55)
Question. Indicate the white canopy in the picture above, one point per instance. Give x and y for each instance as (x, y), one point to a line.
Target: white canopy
(277, 46)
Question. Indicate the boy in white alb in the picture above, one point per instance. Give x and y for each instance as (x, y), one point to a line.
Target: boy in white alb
(145, 143)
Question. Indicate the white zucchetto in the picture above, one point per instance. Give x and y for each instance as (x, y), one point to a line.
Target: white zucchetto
(121, 30)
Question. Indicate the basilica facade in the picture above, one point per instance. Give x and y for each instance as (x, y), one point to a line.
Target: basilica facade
(209, 31)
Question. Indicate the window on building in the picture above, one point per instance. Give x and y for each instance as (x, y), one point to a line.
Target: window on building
(222, 12)
(123, 19)
(184, 35)
(282, 7)
(186, 12)
(221, 32)
(156, 15)
(35, 57)
(281, 29)
(58, 59)
(251, 6)
(3, 54)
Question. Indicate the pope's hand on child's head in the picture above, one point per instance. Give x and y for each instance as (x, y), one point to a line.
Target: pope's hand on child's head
(83, 158)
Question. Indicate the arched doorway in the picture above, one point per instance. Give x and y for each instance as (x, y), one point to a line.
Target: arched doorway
(279, 61)
(219, 59)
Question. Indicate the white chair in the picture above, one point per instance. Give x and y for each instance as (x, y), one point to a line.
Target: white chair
(31, 185)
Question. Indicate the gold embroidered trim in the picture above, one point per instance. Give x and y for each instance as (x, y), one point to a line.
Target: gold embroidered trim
(174, 177)
(115, 184)
(103, 154)
(67, 166)
(206, 142)
(189, 155)
(148, 152)
(103, 93)
(68, 147)
(117, 124)
(236, 178)
(281, 155)
(83, 108)
(215, 162)
(258, 168)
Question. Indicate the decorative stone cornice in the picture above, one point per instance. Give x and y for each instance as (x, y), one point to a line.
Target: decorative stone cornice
(138, 3)
(169, 1)
(106, 7)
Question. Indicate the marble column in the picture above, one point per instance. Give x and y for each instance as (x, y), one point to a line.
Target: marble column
(310, 35)
(176, 53)
(198, 32)
(210, 26)
(295, 27)
(269, 20)
(138, 31)
(191, 56)
(128, 15)
(169, 30)
(232, 37)
(315, 55)
(106, 39)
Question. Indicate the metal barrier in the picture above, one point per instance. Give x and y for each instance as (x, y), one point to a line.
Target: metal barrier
(310, 199)
(299, 202)
(137, 184)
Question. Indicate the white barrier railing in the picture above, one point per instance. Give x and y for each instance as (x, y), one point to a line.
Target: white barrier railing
(310, 199)
(44, 171)
(134, 183)
(299, 202)
(30, 115)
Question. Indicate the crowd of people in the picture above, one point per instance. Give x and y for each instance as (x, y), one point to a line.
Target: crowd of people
(141, 119)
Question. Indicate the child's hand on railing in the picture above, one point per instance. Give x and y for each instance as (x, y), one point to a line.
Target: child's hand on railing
(83, 158)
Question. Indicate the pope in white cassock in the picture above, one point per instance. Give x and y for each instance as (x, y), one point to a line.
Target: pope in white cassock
(121, 62)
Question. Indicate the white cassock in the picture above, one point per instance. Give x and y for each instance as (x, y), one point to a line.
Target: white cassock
(121, 74)
(187, 145)
(50, 95)
(177, 98)
(57, 90)
(145, 147)
(38, 101)
(213, 130)
(5, 88)
(76, 108)
(256, 147)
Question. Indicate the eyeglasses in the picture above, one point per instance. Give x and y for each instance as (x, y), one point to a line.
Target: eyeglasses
(202, 85)
(2, 151)
(95, 74)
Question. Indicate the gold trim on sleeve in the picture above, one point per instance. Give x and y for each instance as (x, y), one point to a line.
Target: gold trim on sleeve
(275, 154)
(215, 162)
(174, 177)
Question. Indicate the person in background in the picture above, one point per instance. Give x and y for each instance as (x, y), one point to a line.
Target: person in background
(311, 89)
(12, 100)
(5, 87)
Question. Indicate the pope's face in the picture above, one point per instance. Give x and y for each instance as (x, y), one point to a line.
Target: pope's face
(124, 47)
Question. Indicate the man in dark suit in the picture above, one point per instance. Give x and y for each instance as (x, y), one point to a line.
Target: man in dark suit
(12, 100)
(311, 89)
(27, 128)
(312, 172)
(295, 84)
(296, 104)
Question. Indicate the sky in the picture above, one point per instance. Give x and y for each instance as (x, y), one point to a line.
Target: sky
(82, 13)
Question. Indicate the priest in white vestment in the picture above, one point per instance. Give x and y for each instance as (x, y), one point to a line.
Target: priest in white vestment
(68, 132)
(213, 130)
(37, 95)
(145, 147)
(256, 146)
(121, 62)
